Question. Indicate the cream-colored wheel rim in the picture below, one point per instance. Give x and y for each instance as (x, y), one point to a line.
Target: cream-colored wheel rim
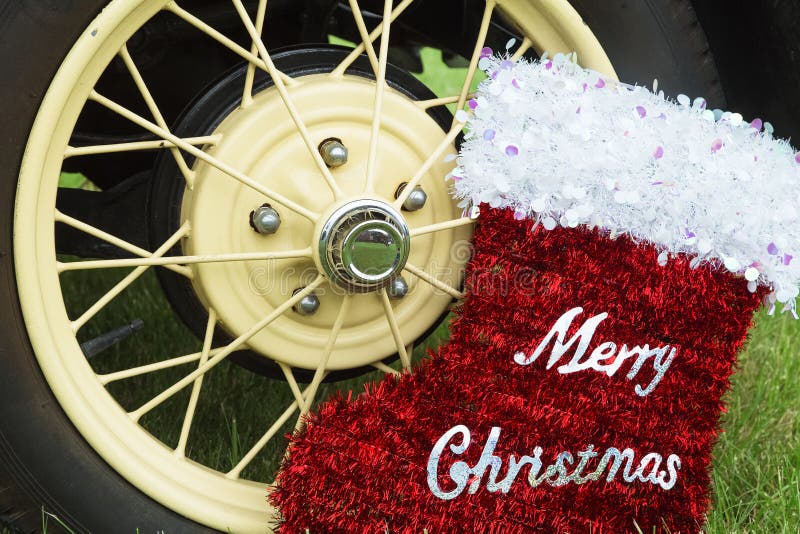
(217, 207)
(224, 500)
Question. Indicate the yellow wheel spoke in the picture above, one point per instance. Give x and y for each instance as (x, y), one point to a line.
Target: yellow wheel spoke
(393, 326)
(338, 72)
(225, 352)
(524, 47)
(287, 101)
(188, 174)
(425, 277)
(364, 33)
(247, 95)
(153, 367)
(123, 284)
(292, 381)
(183, 260)
(208, 140)
(446, 143)
(113, 240)
(199, 154)
(173, 7)
(262, 442)
(380, 366)
(180, 450)
(319, 373)
(438, 227)
(380, 85)
(433, 102)
(476, 54)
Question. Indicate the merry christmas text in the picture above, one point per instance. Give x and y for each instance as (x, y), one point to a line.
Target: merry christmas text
(563, 471)
(604, 358)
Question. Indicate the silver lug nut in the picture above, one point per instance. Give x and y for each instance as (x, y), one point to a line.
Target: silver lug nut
(333, 152)
(308, 305)
(398, 288)
(416, 199)
(265, 220)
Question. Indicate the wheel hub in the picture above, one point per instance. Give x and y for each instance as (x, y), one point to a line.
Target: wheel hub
(364, 245)
(359, 240)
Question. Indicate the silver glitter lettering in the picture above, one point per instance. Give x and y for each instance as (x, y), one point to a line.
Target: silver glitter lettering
(618, 456)
(660, 365)
(604, 358)
(583, 336)
(648, 470)
(487, 460)
(585, 457)
(673, 465)
(459, 471)
(514, 468)
(561, 470)
(646, 459)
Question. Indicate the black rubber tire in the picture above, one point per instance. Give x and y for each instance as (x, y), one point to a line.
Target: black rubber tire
(757, 50)
(655, 39)
(44, 462)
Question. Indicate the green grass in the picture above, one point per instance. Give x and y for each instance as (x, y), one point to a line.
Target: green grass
(756, 463)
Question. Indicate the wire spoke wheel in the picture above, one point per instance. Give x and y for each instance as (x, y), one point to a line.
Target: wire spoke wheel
(300, 227)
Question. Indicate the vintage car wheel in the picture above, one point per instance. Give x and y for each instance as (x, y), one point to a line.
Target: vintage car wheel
(269, 249)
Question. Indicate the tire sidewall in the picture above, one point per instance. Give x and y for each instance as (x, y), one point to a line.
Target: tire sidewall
(655, 39)
(52, 468)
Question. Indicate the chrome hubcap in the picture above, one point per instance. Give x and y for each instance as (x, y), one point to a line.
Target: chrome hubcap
(363, 245)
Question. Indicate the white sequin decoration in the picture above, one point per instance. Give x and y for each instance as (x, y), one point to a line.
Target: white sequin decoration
(567, 146)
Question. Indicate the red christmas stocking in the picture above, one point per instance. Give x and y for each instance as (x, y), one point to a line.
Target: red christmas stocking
(580, 392)
(623, 243)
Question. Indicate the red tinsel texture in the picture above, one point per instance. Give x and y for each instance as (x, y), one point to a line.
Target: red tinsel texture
(360, 464)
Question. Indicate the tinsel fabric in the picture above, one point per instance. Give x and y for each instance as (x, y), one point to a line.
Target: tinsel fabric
(360, 464)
